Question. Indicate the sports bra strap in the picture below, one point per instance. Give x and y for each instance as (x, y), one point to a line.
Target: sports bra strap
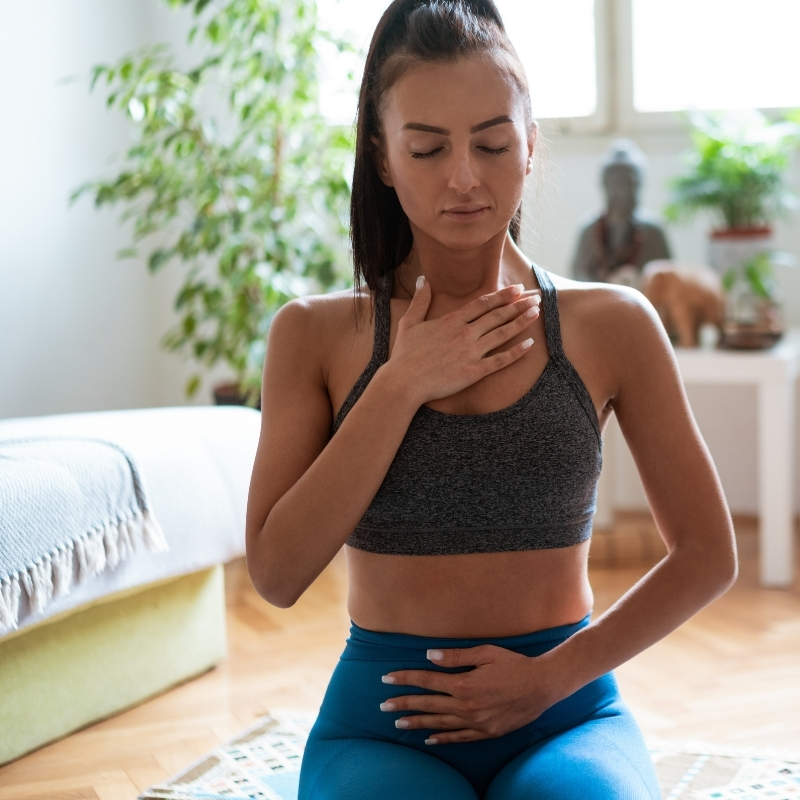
(383, 324)
(552, 325)
(380, 348)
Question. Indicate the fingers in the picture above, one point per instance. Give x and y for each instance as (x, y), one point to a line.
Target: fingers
(497, 361)
(465, 735)
(488, 302)
(430, 722)
(523, 312)
(426, 679)
(420, 303)
(464, 656)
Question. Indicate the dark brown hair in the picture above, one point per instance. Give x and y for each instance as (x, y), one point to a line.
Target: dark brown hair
(409, 32)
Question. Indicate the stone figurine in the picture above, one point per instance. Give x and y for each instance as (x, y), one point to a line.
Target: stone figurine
(614, 246)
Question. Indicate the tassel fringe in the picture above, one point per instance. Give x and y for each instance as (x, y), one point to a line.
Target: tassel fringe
(51, 576)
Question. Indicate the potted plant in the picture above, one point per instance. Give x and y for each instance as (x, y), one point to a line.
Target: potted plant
(737, 171)
(252, 199)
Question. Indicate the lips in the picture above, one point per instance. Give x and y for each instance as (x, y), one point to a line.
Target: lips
(466, 213)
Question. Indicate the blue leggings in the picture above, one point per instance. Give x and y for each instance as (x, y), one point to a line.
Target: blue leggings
(586, 747)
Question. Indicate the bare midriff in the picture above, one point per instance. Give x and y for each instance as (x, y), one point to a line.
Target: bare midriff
(477, 595)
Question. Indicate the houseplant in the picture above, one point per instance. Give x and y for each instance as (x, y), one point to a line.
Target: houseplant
(737, 171)
(250, 199)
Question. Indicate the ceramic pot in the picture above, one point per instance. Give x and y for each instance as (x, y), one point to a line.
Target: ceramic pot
(228, 394)
(751, 322)
(732, 247)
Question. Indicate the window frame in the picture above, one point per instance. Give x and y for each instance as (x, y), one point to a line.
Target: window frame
(616, 114)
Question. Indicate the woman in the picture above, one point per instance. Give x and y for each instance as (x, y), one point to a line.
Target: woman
(446, 428)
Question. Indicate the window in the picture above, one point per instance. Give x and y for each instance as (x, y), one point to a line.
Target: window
(555, 41)
(620, 65)
(715, 54)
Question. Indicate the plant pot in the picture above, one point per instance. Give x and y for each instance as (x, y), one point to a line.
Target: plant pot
(751, 322)
(229, 394)
(731, 247)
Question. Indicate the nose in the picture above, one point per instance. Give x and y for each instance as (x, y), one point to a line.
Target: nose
(463, 175)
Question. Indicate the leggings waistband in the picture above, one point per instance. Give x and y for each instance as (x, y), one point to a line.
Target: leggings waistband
(380, 645)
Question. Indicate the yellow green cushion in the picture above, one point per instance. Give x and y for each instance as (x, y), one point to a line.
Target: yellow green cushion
(96, 660)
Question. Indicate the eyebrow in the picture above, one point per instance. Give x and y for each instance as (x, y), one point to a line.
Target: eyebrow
(482, 126)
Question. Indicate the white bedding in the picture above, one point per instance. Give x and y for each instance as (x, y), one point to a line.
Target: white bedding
(196, 464)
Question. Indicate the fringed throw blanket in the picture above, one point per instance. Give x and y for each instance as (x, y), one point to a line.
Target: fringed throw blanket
(59, 497)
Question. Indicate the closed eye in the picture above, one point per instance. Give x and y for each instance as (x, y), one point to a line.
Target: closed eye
(429, 154)
(494, 151)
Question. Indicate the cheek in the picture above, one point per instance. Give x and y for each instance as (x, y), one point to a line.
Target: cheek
(507, 182)
(417, 190)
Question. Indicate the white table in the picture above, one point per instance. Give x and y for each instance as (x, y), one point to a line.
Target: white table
(774, 372)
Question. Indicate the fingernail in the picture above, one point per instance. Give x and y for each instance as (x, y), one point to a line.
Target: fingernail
(532, 311)
(388, 679)
(526, 344)
(518, 288)
(388, 706)
(420, 281)
(435, 655)
(402, 723)
(432, 740)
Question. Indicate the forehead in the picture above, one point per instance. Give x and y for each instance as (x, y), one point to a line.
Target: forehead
(452, 94)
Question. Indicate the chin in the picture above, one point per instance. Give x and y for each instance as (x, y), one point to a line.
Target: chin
(460, 236)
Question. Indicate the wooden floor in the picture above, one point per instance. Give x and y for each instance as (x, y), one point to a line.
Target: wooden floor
(731, 675)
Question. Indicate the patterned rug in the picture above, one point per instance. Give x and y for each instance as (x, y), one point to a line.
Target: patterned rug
(263, 763)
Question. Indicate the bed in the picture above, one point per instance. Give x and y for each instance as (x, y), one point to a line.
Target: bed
(156, 618)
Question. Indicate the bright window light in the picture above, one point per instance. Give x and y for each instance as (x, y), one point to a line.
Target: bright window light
(715, 54)
(555, 41)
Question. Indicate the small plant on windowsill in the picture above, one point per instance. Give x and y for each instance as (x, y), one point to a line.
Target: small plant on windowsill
(737, 170)
(252, 201)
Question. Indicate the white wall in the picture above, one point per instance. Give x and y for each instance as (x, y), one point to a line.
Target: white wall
(79, 330)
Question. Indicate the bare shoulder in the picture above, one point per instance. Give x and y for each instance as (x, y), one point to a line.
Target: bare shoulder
(617, 313)
(323, 313)
(613, 335)
(316, 324)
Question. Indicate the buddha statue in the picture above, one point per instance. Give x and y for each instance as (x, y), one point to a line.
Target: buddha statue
(614, 246)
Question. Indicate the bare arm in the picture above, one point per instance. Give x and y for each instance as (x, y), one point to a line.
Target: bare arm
(307, 493)
(685, 496)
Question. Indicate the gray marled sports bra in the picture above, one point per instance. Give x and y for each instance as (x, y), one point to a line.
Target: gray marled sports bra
(521, 478)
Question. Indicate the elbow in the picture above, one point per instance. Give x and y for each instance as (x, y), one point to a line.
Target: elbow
(278, 599)
(727, 566)
(276, 590)
(271, 580)
(733, 569)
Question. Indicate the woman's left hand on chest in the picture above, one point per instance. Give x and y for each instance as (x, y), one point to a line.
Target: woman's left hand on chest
(504, 692)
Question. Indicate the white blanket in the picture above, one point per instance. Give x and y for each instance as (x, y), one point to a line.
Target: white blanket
(196, 464)
(62, 496)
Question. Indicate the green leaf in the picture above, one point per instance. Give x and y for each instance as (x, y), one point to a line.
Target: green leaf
(234, 170)
(157, 259)
(192, 385)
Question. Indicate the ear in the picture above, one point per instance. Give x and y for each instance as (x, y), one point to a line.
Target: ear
(381, 161)
(533, 135)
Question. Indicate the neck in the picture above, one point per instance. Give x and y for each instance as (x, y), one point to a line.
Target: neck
(462, 275)
(617, 217)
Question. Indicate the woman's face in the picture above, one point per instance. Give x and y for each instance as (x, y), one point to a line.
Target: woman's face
(456, 147)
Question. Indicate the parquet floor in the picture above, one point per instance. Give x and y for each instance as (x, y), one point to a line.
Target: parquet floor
(730, 675)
